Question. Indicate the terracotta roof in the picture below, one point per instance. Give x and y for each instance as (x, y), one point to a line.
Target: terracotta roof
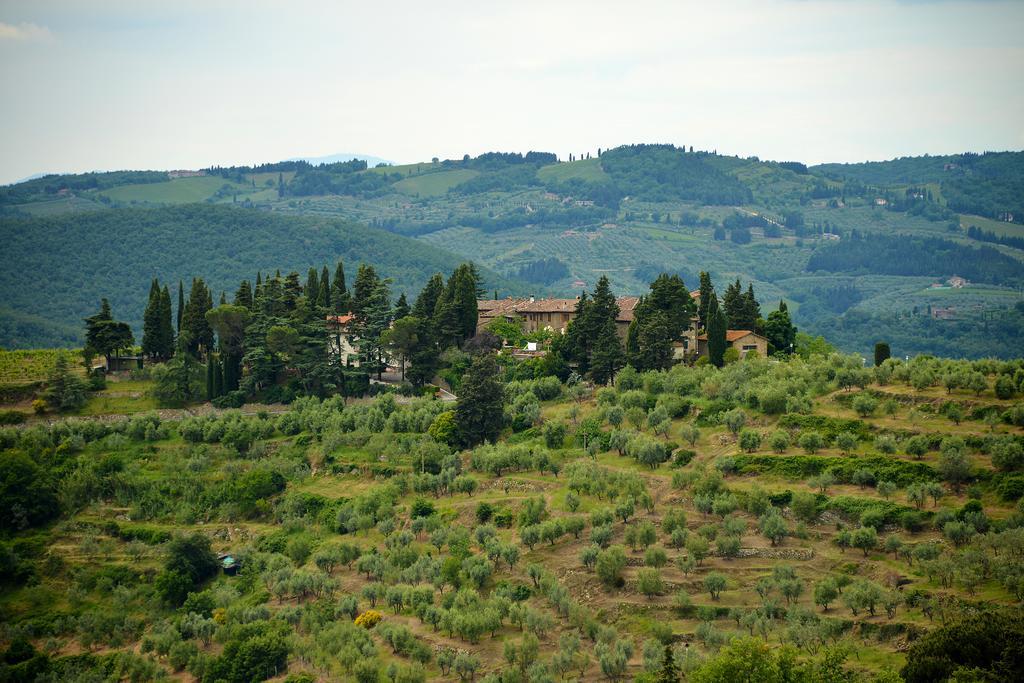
(695, 294)
(547, 306)
(496, 307)
(341, 319)
(733, 335)
(510, 306)
(626, 306)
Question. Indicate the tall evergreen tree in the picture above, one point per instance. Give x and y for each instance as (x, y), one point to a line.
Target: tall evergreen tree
(292, 289)
(151, 341)
(670, 296)
(733, 305)
(426, 302)
(480, 409)
(455, 313)
(780, 331)
(706, 292)
(607, 357)
(244, 296)
(323, 297)
(229, 322)
(340, 299)
(579, 335)
(167, 340)
(371, 306)
(312, 289)
(200, 334)
(401, 307)
(718, 325)
(752, 309)
(589, 324)
(181, 304)
(650, 340)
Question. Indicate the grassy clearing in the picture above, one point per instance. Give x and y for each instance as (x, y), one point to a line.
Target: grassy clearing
(434, 184)
(586, 169)
(176, 191)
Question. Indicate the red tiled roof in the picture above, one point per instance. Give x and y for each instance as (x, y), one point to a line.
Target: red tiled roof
(495, 307)
(341, 319)
(732, 335)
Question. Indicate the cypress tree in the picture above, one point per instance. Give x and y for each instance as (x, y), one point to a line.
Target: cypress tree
(733, 305)
(209, 377)
(312, 290)
(218, 378)
(751, 308)
(200, 334)
(780, 330)
(166, 326)
(151, 342)
(718, 324)
(479, 411)
(607, 357)
(323, 297)
(882, 353)
(181, 304)
(340, 298)
(706, 292)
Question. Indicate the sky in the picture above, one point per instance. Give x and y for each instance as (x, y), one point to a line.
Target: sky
(156, 85)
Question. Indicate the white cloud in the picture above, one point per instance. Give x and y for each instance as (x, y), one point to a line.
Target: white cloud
(24, 32)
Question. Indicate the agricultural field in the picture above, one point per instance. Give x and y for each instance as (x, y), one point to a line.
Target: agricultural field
(176, 191)
(21, 366)
(433, 184)
(809, 508)
(585, 169)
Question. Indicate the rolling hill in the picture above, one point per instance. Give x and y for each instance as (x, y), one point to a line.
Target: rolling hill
(74, 260)
(632, 211)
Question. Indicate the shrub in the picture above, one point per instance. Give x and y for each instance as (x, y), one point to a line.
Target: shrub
(811, 442)
(369, 619)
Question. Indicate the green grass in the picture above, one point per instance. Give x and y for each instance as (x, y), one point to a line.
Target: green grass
(587, 169)
(989, 225)
(125, 397)
(177, 191)
(434, 184)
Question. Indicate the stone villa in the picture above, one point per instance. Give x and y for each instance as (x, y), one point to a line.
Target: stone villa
(554, 314)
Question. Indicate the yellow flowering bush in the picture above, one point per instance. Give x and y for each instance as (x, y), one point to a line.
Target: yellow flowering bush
(369, 618)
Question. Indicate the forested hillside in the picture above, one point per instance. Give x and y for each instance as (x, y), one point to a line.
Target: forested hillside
(55, 269)
(840, 243)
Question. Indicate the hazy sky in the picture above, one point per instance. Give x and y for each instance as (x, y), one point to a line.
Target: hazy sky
(108, 85)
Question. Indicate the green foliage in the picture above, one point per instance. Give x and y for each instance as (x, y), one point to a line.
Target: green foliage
(805, 466)
(982, 646)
